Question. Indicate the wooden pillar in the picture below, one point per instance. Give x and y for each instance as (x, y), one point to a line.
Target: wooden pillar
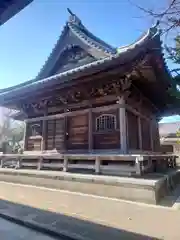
(97, 165)
(122, 125)
(43, 141)
(139, 162)
(65, 164)
(40, 163)
(25, 136)
(19, 163)
(44, 128)
(158, 136)
(90, 129)
(140, 132)
(66, 133)
(151, 135)
(2, 162)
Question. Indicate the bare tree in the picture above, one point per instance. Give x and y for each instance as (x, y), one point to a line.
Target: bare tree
(168, 17)
(168, 20)
(11, 132)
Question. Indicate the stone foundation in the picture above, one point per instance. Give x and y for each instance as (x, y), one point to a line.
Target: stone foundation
(149, 190)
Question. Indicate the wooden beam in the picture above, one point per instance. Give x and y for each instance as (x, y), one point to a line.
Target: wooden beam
(74, 113)
(84, 103)
(135, 112)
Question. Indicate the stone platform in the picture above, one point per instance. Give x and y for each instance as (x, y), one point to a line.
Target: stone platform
(74, 216)
(150, 189)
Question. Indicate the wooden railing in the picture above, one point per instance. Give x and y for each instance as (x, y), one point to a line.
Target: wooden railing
(99, 163)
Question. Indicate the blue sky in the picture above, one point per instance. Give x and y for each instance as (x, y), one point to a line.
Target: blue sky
(27, 39)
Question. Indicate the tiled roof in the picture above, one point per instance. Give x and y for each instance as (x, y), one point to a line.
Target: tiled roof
(152, 32)
(91, 40)
(58, 76)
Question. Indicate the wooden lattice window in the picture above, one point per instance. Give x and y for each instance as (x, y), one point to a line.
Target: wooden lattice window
(106, 122)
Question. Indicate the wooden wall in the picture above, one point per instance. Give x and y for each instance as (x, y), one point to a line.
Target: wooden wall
(132, 131)
(72, 132)
(148, 129)
(146, 134)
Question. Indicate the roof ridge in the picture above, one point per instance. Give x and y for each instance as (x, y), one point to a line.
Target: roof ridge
(82, 32)
(96, 42)
(151, 33)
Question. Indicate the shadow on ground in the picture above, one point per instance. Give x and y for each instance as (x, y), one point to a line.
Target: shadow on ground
(171, 198)
(60, 225)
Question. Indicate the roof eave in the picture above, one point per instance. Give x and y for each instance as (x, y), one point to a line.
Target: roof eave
(12, 9)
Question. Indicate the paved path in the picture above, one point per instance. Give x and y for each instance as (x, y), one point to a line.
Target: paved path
(11, 231)
(89, 217)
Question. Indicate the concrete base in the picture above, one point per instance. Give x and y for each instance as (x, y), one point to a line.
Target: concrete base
(149, 190)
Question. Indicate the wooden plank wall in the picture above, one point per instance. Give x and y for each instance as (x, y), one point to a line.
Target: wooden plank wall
(109, 140)
(77, 128)
(132, 131)
(146, 134)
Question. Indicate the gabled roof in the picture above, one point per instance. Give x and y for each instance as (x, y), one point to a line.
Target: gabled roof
(75, 34)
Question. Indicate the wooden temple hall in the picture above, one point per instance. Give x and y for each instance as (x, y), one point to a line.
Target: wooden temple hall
(91, 100)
